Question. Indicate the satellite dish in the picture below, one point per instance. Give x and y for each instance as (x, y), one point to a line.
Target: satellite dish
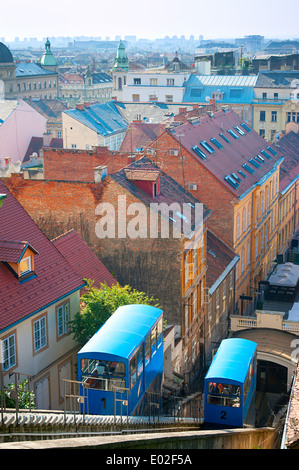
(208, 98)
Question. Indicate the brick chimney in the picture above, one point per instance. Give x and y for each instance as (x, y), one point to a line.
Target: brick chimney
(80, 107)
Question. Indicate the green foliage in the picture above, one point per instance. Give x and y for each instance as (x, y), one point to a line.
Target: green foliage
(26, 398)
(99, 304)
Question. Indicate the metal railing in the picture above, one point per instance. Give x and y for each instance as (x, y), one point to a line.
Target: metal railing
(14, 391)
(76, 393)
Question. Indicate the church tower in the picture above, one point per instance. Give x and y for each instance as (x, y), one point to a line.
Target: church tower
(119, 71)
(48, 60)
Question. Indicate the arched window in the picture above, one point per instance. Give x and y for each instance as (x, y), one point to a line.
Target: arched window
(238, 226)
(243, 221)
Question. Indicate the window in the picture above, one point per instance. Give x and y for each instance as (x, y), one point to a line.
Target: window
(217, 143)
(194, 348)
(243, 260)
(25, 265)
(63, 319)
(186, 317)
(264, 96)
(233, 134)
(59, 134)
(169, 98)
(153, 98)
(238, 226)
(136, 97)
(9, 352)
(194, 304)
(137, 81)
(276, 96)
(207, 146)
(153, 81)
(243, 221)
(40, 333)
(274, 116)
(224, 138)
(170, 81)
(262, 133)
(199, 152)
(262, 116)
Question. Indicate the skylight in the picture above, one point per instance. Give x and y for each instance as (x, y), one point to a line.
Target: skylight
(254, 163)
(242, 174)
(199, 152)
(232, 182)
(260, 158)
(248, 168)
(245, 127)
(205, 144)
(216, 142)
(239, 130)
(236, 177)
(266, 154)
(224, 138)
(271, 150)
(233, 134)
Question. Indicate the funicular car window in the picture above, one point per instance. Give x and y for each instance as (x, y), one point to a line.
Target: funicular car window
(223, 394)
(101, 374)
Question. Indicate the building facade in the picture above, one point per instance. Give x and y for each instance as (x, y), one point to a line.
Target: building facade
(276, 103)
(225, 164)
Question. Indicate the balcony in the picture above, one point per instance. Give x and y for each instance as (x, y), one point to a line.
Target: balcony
(268, 319)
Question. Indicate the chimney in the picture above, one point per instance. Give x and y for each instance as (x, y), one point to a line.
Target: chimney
(86, 105)
(80, 107)
(47, 137)
(7, 161)
(100, 172)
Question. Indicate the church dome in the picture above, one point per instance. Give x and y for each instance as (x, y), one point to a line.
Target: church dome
(5, 54)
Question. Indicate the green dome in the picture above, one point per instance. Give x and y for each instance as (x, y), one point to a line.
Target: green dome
(48, 59)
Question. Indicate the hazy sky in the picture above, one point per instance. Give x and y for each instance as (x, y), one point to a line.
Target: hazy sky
(149, 18)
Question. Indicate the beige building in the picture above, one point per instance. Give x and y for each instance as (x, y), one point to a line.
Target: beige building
(92, 86)
(92, 125)
(28, 79)
(276, 103)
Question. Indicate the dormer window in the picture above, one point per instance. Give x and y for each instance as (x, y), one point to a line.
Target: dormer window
(18, 256)
(146, 179)
(25, 266)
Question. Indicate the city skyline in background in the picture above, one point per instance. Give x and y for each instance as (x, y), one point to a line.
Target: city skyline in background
(219, 20)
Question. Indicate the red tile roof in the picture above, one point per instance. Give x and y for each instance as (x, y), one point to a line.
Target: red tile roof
(55, 278)
(219, 256)
(82, 259)
(289, 169)
(11, 251)
(229, 159)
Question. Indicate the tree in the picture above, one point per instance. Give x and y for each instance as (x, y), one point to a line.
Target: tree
(99, 304)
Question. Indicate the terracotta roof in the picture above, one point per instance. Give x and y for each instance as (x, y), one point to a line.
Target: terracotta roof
(54, 280)
(289, 169)
(231, 157)
(219, 256)
(71, 79)
(82, 259)
(139, 135)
